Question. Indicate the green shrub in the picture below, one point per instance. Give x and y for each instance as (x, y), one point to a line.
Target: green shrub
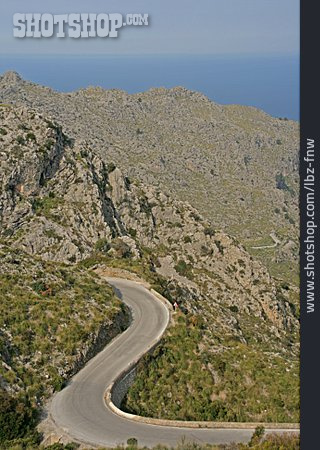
(282, 184)
(145, 206)
(132, 232)
(121, 248)
(44, 206)
(20, 140)
(219, 246)
(111, 167)
(49, 144)
(31, 137)
(205, 251)
(58, 446)
(195, 216)
(102, 245)
(16, 417)
(51, 125)
(23, 127)
(209, 231)
(257, 436)
(184, 269)
(132, 442)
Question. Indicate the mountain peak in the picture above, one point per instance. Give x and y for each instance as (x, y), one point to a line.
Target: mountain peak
(11, 77)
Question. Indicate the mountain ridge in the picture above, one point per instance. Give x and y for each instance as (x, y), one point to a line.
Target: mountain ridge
(225, 160)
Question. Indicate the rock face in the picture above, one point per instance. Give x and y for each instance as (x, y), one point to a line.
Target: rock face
(61, 202)
(236, 165)
(41, 177)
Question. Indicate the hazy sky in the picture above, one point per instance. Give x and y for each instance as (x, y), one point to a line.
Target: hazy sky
(177, 26)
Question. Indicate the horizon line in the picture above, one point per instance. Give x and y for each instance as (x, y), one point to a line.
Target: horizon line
(265, 54)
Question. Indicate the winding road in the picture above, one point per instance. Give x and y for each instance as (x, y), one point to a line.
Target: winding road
(276, 243)
(80, 410)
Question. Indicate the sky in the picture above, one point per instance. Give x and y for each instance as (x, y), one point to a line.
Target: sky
(217, 27)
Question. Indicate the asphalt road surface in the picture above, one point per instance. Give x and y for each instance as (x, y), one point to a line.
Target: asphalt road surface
(79, 409)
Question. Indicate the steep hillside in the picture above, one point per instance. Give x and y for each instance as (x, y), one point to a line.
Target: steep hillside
(61, 202)
(53, 319)
(236, 165)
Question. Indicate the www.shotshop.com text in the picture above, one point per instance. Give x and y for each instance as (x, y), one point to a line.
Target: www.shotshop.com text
(309, 238)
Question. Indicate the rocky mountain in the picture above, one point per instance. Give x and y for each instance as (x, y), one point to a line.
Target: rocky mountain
(64, 209)
(236, 165)
(59, 201)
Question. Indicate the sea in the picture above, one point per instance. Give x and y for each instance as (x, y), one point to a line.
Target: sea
(268, 82)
